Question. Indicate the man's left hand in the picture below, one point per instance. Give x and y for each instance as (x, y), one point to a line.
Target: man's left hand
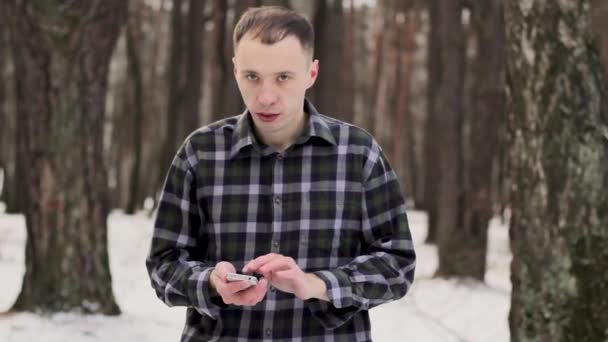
(284, 274)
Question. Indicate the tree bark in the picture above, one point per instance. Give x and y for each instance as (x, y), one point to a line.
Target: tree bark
(363, 78)
(221, 68)
(404, 146)
(599, 10)
(62, 109)
(431, 148)
(558, 124)
(11, 193)
(488, 109)
(5, 151)
(455, 256)
(329, 50)
(136, 77)
(195, 59)
(175, 90)
(386, 85)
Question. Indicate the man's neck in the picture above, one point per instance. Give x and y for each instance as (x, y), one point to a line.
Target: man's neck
(282, 140)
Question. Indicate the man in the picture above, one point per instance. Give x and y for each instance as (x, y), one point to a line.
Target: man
(306, 202)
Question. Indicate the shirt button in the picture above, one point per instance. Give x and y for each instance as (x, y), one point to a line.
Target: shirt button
(280, 157)
(275, 244)
(272, 289)
(268, 332)
(277, 200)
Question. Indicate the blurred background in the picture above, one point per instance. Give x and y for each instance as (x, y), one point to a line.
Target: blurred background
(97, 96)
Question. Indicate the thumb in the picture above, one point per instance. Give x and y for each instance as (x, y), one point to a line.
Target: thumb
(222, 268)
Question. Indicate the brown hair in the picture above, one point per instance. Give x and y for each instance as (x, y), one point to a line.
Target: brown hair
(272, 24)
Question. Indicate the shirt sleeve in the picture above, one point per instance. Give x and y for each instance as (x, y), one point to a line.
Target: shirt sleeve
(176, 272)
(385, 270)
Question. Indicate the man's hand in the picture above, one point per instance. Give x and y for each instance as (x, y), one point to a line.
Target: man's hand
(238, 292)
(283, 273)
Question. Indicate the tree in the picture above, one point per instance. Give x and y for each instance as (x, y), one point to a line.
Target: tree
(5, 153)
(61, 53)
(404, 147)
(488, 111)
(136, 78)
(175, 90)
(194, 71)
(600, 27)
(9, 141)
(454, 256)
(431, 148)
(221, 62)
(558, 119)
(327, 93)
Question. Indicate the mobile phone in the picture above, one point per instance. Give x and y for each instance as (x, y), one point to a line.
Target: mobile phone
(240, 277)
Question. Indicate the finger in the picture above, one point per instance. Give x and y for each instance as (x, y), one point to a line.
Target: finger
(253, 295)
(222, 268)
(237, 286)
(275, 265)
(260, 290)
(285, 275)
(254, 264)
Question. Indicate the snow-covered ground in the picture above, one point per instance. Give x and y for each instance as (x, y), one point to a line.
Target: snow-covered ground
(434, 310)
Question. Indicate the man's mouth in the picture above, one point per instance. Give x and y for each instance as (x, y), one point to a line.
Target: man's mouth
(267, 117)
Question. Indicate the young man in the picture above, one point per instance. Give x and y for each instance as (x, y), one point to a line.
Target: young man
(306, 202)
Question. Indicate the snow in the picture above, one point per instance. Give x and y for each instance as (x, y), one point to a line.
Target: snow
(434, 310)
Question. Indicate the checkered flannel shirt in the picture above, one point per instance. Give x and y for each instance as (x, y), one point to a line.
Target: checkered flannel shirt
(331, 202)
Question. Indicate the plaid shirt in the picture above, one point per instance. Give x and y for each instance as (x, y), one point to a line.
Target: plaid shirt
(331, 202)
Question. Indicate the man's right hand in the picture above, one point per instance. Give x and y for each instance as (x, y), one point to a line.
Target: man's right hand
(238, 292)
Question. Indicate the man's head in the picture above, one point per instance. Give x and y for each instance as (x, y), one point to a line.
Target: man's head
(272, 24)
(273, 67)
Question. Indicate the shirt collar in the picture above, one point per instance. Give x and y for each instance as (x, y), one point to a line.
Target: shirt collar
(243, 135)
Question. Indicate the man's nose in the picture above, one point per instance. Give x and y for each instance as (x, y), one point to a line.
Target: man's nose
(267, 96)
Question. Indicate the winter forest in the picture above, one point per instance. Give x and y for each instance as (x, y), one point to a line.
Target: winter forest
(493, 114)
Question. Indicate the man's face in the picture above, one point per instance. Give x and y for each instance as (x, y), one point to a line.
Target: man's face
(273, 80)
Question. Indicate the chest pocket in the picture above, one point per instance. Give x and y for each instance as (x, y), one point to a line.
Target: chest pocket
(335, 223)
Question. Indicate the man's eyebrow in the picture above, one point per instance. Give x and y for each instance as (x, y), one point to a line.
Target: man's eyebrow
(247, 71)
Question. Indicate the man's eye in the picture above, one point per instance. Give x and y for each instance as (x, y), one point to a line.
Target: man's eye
(283, 78)
(251, 77)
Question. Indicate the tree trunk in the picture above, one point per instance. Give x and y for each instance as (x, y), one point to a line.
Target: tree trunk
(363, 78)
(347, 75)
(282, 3)
(62, 109)
(455, 255)
(488, 111)
(386, 85)
(175, 90)
(5, 150)
(404, 146)
(154, 94)
(221, 68)
(194, 74)
(431, 148)
(136, 81)
(11, 193)
(599, 10)
(329, 44)
(558, 121)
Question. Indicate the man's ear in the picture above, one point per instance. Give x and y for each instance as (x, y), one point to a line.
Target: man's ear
(313, 72)
(234, 69)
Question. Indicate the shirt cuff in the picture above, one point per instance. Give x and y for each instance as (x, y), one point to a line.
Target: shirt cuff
(200, 293)
(340, 307)
(339, 287)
